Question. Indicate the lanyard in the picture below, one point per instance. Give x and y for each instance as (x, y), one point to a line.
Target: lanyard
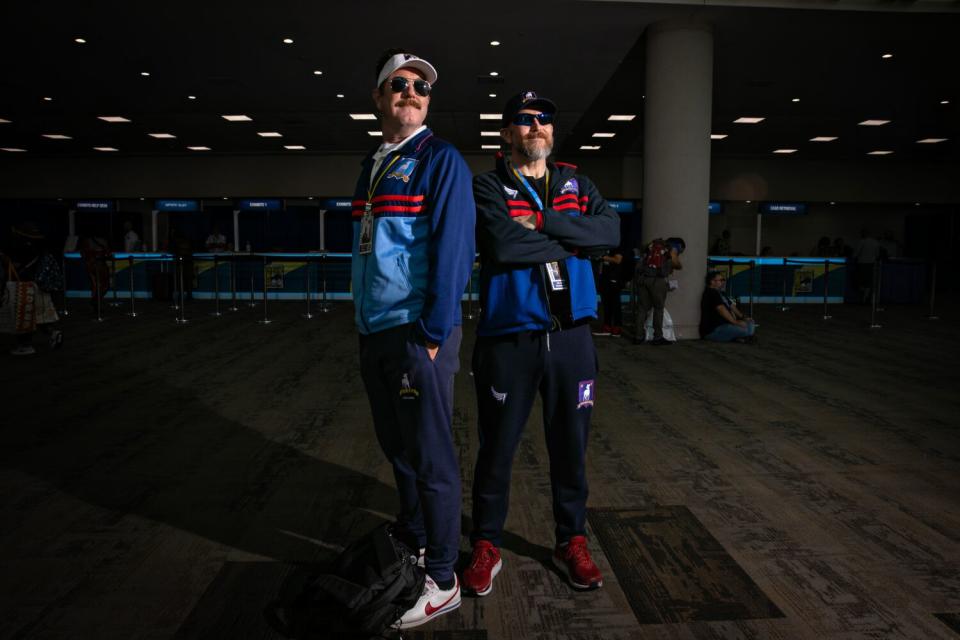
(530, 190)
(376, 183)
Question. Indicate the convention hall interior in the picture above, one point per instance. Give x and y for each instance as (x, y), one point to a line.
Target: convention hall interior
(193, 441)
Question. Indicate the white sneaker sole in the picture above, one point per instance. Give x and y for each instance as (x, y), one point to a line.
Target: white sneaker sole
(562, 566)
(455, 604)
(493, 574)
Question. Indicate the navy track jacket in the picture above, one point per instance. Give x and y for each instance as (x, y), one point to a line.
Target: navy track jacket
(576, 223)
(423, 239)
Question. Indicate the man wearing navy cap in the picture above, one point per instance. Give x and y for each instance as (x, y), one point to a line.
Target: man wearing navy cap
(413, 250)
(538, 224)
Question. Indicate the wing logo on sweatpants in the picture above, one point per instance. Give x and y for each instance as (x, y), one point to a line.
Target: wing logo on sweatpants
(585, 394)
(407, 392)
(501, 398)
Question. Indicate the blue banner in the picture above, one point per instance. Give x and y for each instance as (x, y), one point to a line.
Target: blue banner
(94, 205)
(176, 205)
(783, 208)
(268, 204)
(337, 204)
(715, 208)
(622, 206)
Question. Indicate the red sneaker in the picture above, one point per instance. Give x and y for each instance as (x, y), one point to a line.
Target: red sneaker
(485, 564)
(616, 331)
(574, 560)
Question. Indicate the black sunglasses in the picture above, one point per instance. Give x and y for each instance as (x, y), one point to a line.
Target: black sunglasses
(526, 119)
(399, 84)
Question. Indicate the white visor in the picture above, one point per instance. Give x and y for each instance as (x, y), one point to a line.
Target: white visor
(402, 60)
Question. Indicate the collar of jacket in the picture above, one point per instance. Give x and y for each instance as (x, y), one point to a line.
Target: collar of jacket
(560, 172)
(412, 147)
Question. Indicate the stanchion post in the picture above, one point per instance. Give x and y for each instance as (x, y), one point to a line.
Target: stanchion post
(878, 281)
(96, 291)
(753, 275)
(216, 286)
(180, 319)
(470, 294)
(783, 296)
(324, 306)
(933, 293)
(873, 300)
(133, 305)
(63, 270)
(176, 284)
(826, 287)
(265, 319)
(113, 280)
(308, 315)
(233, 284)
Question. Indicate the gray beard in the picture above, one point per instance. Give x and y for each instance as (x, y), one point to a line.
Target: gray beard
(531, 152)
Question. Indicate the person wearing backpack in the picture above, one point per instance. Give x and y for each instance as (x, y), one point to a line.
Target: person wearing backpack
(660, 259)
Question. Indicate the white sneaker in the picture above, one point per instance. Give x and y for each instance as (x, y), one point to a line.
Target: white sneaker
(22, 351)
(421, 558)
(433, 603)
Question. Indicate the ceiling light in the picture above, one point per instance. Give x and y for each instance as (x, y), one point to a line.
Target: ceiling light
(105, 149)
(622, 118)
(880, 152)
(80, 40)
(494, 73)
(748, 201)
(47, 99)
(199, 148)
(492, 95)
(288, 41)
(490, 134)
(823, 139)
(374, 133)
(56, 136)
(317, 72)
(832, 202)
(162, 135)
(748, 120)
(237, 118)
(362, 116)
(718, 136)
(490, 146)
(795, 100)
(873, 123)
(931, 140)
(887, 56)
(192, 97)
(145, 74)
(494, 43)
(294, 147)
(2, 121)
(113, 118)
(603, 135)
(12, 149)
(944, 102)
(269, 134)
(589, 147)
(340, 95)
(784, 150)
(916, 204)
(489, 116)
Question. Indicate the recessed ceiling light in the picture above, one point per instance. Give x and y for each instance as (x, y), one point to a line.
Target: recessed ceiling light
(887, 56)
(879, 152)
(494, 73)
(784, 150)
(309, 197)
(145, 74)
(823, 139)
(47, 99)
(192, 97)
(944, 102)
(718, 136)
(288, 41)
(916, 204)
(931, 140)
(748, 201)
(873, 123)
(113, 118)
(269, 134)
(589, 147)
(748, 120)
(832, 202)
(2, 121)
(237, 118)
(317, 72)
(199, 148)
(622, 118)
(362, 116)
(340, 95)
(489, 116)
(105, 149)
(603, 135)
(294, 147)
(492, 95)
(12, 149)
(795, 100)
(494, 43)
(56, 136)
(374, 133)
(162, 135)
(489, 146)
(490, 134)
(80, 40)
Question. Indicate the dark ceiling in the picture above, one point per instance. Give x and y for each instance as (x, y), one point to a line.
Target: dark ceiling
(588, 56)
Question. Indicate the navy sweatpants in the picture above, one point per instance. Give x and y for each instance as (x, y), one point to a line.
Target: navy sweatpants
(509, 372)
(411, 398)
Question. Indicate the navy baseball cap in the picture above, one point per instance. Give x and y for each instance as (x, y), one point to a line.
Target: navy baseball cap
(526, 100)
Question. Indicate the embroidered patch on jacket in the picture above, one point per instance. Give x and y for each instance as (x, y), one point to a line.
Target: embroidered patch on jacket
(512, 193)
(407, 392)
(570, 186)
(498, 396)
(403, 170)
(585, 394)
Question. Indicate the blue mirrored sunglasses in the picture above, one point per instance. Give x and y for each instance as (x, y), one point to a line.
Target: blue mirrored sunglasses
(399, 84)
(526, 119)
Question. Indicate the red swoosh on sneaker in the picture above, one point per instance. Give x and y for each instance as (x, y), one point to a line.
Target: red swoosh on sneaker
(430, 610)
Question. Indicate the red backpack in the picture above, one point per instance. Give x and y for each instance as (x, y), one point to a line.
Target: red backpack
(656, 259)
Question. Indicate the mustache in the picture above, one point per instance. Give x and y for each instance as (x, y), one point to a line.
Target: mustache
(409, 102)
(535, 135)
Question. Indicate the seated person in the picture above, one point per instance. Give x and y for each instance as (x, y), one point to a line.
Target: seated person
(720, 319)
(216, 241)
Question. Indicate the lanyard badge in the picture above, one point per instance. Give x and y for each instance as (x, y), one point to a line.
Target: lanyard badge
(365, 242)
(554, 273)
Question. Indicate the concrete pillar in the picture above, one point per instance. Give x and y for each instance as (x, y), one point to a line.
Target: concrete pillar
(676, 154)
